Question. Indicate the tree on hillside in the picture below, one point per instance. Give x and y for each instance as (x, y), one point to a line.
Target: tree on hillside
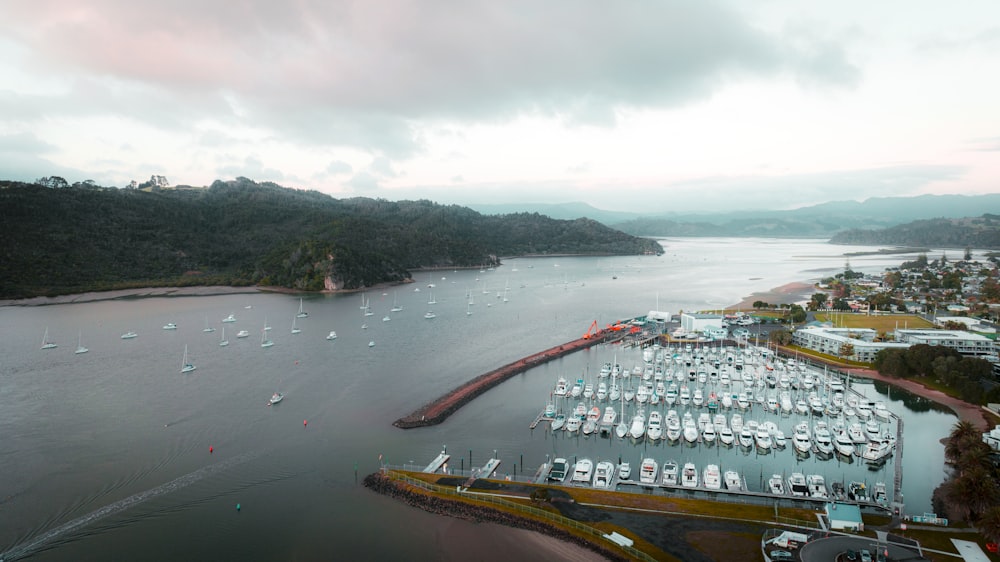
(818, 301)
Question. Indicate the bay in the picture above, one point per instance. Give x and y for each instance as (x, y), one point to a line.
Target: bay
(107, 454)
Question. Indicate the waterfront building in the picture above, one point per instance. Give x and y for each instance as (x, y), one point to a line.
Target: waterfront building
(698, 322)
(966, 343)
(831, 340)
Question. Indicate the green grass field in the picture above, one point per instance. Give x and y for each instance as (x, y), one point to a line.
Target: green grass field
(881, 323)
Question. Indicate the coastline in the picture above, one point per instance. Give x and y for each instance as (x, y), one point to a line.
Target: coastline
(789, 293)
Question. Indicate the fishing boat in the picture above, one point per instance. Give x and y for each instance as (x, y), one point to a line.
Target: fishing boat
(186, 365)
(670, 473)
(857, 491)
(648, 471)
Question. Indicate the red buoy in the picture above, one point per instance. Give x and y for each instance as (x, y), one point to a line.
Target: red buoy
(210, 448)
(305, 423)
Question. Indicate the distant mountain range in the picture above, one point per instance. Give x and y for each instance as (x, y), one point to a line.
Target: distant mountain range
(817, 221)
(75, 238)
(978, 232)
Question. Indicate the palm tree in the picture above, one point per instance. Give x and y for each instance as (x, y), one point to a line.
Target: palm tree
(989, 524)
(963, 433)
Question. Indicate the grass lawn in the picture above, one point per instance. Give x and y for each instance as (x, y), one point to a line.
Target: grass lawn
(882, 323)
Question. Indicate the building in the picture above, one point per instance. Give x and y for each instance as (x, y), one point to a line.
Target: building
(697, 322)
(965, 343)
(844, 517)
(831, 341)
(992, 438)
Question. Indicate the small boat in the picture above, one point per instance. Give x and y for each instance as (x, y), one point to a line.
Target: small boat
(295, 329)
(302, 313)
(332, 335)
(430, 314)
(726, 436)
(242, 334)
(817, 486)
(654, 427)
(207, 327)
(129, 335)
(670, 473)
(624, 470)
(264, 340)
(776, 484)
(877, 451)
(186, 365)
(573, 424)
(648, 471)
(558, 422)
(746, 438)
(79, 345)
(733, 481)
(638, 427)
(223, 342)
(170, 326)
(230, 318)
(371, 343)
(879, 495)
(275, 398)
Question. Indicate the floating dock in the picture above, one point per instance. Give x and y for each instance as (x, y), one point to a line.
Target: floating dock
(438, 462)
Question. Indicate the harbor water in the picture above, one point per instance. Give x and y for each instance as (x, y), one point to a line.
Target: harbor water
(115, 454)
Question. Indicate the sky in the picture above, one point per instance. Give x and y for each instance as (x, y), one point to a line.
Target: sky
(643, 106)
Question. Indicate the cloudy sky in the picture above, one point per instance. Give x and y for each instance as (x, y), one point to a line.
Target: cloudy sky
(632, 105)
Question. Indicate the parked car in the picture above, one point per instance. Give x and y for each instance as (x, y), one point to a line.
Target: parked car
(780, 555)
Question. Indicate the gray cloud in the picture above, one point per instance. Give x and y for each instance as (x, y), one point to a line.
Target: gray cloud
(360, 74)
(363, 181)
(337, 167)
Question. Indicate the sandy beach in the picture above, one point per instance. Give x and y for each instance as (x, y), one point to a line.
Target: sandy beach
(789, 293)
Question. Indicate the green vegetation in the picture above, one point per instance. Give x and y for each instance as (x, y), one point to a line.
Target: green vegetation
(973, 493)
(969, 378)
(879, 323)
(977, 232)
(69, 239)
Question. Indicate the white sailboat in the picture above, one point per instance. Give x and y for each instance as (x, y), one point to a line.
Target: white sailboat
(302, 313)
(46, 344)
(295, 329)
(186, 365)
(207, 327)
(396, 307)
(223, 342)
(264, 340)
(79, 345)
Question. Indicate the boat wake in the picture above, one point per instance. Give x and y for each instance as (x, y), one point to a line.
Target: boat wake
(20, 551)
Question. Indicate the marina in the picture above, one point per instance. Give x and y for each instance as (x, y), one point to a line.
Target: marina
(146, 476)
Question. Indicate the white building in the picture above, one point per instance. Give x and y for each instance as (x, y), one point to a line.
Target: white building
(697, 322)
(831, 340)
(965, 343)
(993, 438)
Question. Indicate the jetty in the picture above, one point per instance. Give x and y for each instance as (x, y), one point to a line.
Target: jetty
(439, 410)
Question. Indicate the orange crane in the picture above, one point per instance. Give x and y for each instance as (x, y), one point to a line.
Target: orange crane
(591, 331)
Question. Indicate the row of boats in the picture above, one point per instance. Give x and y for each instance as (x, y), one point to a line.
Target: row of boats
(671, 474)
(866, 441)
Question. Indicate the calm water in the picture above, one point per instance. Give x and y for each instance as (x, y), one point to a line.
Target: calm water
(106, 454)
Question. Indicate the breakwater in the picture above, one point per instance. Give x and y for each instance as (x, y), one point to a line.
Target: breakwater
(380, 483)
(439, 410)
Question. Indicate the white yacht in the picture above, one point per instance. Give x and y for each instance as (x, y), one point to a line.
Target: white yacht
(817, 486)
(733, 481)
(654, 427)
(670, 473)
(712, 478)
(332, 335)
(170, 326)
(689, 475)
(638, 427)
(776, 484)
(604, 474)
(624, 470)
(583, 471)
(797, 485)
(559, 468)
(242, 334)
(648, 471)
(129, 335)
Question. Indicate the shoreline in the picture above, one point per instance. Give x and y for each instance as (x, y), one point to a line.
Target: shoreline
(789, 293)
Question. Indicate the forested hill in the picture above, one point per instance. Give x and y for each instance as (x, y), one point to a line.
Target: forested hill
(978, 232)
(86, 238)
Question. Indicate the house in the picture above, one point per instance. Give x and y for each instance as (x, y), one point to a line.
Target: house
(844, 517)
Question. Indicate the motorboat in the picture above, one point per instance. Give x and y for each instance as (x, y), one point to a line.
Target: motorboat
(654, 427)
(673, 427)
(583, 471)
(648, 471)
(879, 495)
(558, 471)
(562, 387)
(822, 440)
(857, 434)
(797, 485)
(604, 474)
(843, 444)
(689, 475)
(230, 318)
(573, 424)
(881, 412)
(558, 422)
(429, 315)
(170, 326)
(733, 481)
(129, 335)
(275, 398)
(776, 484)
(877, 451)
(817, 486)
(726, 436)
(332, 335)
(577, 389)
(746, 438)
(244, 334)
(763, 440)
(624, 470)
(638, 427)
(800, 439)
(708, 434)
(712, 478)
(690, 430)
(670, 473)
(857, 491)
